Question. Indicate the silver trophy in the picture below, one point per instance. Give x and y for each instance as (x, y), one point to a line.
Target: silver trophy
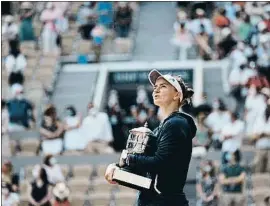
(139, 142)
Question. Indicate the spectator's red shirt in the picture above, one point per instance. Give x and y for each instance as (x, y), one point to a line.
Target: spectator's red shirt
(259, 82)
(267, 22)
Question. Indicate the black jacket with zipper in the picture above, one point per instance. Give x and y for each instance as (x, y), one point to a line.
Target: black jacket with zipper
(168, 167)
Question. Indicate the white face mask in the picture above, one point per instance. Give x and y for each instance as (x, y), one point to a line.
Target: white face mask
(53, 161)
(215, 105)
(252, 91)
(92, 111)
(19, 96)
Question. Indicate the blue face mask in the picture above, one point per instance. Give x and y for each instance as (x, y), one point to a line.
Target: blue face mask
(228, 156)
(68, 113)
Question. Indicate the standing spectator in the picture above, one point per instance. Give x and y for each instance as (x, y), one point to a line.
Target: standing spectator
(98, 34)
(261, 135)
(72, 123)
(253, 111)
(216, 120)
(61, 25)
(15, 64)
(21, 115)
(97, 131)
(202, 40)
(207, 185)
(123, 19)
(51, 132)
(105, 13)
(53, 170)
(49, 35)
(221, 20)
(10, 178)
(39, 190)
(26, 27)
(6, 150)
(232, 179)
(10, 31)
(263, 53)
(227, 43)
(200, 19)
(8, 198)
(232, 135)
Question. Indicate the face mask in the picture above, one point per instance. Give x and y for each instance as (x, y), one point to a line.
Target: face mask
(68, 113)
(92, 111)
(215, 105)
(53, 161)
(207, 168)
(19, 96)
(228, 156)
(252, 91)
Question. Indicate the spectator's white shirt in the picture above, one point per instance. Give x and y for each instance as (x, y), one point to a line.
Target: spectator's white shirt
(195, 28)
(238, 76)
(237, 57)
(236, 130)
(13, 64)
(97, 127)
(10, 31)
(216, 120)
(11, 200)
(262, 126)
(54, 173)
(5, 120)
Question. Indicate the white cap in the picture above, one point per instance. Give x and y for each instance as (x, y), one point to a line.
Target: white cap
(122, 4)
(9, 18)
(262, 26)
(182, 15)
(16, 88)
(61, 191)
(154, 75)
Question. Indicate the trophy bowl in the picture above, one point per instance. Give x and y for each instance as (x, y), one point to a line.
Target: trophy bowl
(140, 142)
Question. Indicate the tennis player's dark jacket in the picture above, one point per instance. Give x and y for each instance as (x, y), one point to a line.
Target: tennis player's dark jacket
(171, 159)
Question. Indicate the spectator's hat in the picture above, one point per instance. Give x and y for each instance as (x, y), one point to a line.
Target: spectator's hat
(26, 5)
(61, 191)
(16, 89)
(262, 26)
(225, 32)
(9, 19)
(182, 15)
(200, 12)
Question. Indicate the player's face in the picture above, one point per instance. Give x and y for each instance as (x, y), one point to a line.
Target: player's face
(164, 93)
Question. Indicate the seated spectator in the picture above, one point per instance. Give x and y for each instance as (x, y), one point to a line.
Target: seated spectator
(232, 135)
(61, 25)
(152, 119)
(49, 35)
(6, 150)
(86, 19)
(227, 43)
(53, 170)
(238, 80)
(26, 27)
(206, 185)
(15, 65)
(202, 138)
(9, 198)
(263, 53)
(39, 190)
(245, 29)
(261, 135)
(72, 123)
(51, 132)
(232, 179)
(21, 115)
(9, 177)
(105, 13)
(195, 25)
(10, 32)
(236, 23)
(98, 34)
(202, 39)
(252, 110)
(61, 195)
(123, 19)
(216, 120)
(97, 131)
(221, 20)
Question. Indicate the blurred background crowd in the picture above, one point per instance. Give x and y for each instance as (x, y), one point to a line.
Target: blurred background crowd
(35, 38)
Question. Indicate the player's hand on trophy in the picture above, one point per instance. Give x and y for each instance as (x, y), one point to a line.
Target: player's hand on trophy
(123, 158)
(109, 173)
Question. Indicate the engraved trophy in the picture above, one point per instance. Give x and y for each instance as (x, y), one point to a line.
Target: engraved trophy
(140, 142)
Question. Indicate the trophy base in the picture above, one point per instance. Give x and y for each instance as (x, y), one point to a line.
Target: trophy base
(131, 180)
